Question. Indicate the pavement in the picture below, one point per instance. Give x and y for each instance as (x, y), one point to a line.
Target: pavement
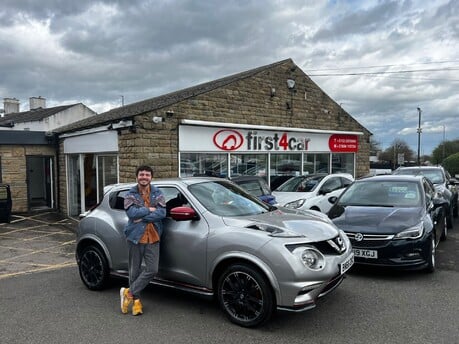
(36, 242)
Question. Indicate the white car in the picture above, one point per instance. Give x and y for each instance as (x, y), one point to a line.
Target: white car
(312, 191)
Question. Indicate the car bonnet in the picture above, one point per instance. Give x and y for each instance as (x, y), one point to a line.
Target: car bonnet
(285, 224)
(378, 220)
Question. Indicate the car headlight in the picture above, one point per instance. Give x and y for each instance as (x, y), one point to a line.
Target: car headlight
(310, 257)
(295, 204)
(414, 232)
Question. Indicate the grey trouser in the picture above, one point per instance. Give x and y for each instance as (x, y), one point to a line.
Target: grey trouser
(138, 277)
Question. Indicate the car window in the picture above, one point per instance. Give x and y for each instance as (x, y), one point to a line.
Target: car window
(252, 187)
(300, 184)
(382, 193)
(116, 199)
(346, 182)
(436, 175)
(226, 199)
(332, 184)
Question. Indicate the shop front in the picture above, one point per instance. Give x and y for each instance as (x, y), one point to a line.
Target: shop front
(230, 150)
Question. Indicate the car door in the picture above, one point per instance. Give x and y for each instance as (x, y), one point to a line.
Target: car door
(331, 184)
(183, 255)
(437, 214)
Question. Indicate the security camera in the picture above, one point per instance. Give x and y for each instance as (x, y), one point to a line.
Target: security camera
(157, 119)
(49, 134)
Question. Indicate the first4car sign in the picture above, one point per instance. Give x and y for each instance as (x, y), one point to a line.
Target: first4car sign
(195, 138)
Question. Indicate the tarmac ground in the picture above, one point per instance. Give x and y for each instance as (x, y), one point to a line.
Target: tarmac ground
(36, 242)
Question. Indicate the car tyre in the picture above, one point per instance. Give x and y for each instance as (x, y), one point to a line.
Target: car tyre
(456, 210)
(245, 295)
(431, 255)
(93, 268)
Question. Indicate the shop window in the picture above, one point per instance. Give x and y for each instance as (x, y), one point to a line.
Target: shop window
(343, 163)
(249, 165)
(199, 164)
(87, 175)
(282, 167)
(309, 163)
(322, 163)
(1, 170)
(107, 173)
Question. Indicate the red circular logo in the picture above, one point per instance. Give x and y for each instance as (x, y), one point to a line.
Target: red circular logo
(228, 140)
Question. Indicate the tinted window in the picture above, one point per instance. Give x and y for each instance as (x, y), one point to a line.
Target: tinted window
(383, 193)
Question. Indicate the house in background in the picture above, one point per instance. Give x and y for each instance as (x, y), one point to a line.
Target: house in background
(28, 150)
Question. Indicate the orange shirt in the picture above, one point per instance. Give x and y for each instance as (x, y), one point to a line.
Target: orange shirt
(150, 236)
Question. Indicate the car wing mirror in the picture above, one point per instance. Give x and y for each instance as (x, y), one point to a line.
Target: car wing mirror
(332, 199)
(184, 214)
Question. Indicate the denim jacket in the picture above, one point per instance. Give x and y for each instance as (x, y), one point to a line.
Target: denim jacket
(136, 209)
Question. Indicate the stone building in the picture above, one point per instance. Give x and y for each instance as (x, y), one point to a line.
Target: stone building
(28, 150)
(269, 121)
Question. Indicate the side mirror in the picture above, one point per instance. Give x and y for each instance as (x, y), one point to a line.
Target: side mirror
(184, 214)
(438, 202)
(332, 199)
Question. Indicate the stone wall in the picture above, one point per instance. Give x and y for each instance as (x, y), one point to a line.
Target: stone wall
(14, 171)
(248, 101)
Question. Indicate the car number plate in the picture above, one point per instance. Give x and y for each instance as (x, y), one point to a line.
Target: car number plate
(372, 254)
(347, 264)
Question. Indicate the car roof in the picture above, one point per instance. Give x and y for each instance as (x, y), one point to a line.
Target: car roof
(393, 177)
(183, 181)
(413, 168)
(244, 178)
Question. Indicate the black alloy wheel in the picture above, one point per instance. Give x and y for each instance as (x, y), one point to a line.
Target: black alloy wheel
(431, 255)
(245, 295)
(93, 268)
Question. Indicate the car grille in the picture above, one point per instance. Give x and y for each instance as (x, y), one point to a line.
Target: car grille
(369, 240)
(333, 246)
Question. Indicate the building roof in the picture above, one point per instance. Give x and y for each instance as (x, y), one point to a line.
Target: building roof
(33, 115)
(162, 101)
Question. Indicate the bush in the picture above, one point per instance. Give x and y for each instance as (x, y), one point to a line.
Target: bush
(451, 164)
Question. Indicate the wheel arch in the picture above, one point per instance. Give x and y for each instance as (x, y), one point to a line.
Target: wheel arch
(92, 241)
(243, 258)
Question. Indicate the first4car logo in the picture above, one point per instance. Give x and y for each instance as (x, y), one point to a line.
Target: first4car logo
(230, 140)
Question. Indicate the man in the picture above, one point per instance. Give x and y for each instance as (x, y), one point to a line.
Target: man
(145, 207)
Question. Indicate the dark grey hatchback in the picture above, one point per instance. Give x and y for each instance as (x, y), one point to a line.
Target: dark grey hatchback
(392, 220)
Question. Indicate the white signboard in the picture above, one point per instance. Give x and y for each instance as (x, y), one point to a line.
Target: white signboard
(215, 139)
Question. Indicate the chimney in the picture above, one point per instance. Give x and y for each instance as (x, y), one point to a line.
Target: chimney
(10, 105)
(37, 103)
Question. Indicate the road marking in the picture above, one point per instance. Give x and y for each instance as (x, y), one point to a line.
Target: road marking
(48, 268)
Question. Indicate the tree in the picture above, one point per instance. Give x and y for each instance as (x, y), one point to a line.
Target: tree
(375, 146)
(397, 147)
(451, 164)
(443, 150)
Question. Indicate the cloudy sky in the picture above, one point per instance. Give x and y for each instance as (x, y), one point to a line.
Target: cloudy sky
(380, 59)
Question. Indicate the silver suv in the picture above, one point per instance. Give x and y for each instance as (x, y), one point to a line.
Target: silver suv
(444, 184)
(220, 241)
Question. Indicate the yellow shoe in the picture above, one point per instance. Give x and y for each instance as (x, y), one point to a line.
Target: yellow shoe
(137, 307)
(126, 300)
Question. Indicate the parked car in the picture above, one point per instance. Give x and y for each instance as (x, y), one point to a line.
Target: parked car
(444, 184)
(392, 221)
(256, 186)
(219, 241)
(312, 191)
